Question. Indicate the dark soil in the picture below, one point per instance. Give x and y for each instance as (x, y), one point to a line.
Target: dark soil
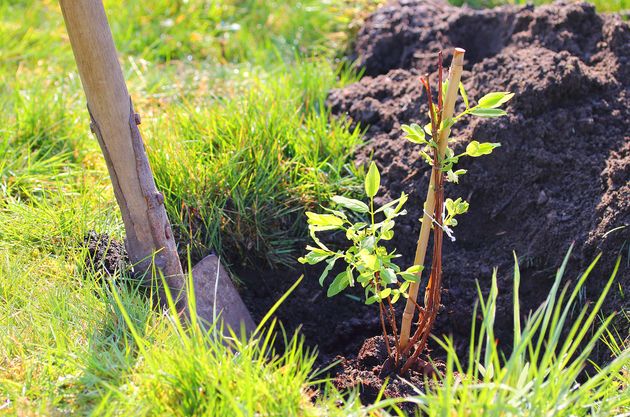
(104, 254)
(368, 372)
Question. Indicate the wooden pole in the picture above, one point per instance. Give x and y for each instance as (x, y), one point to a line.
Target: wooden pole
(149, 234)
(454, 78)
(149, 239)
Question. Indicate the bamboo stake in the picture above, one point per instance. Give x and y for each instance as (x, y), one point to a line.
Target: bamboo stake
(454, 78)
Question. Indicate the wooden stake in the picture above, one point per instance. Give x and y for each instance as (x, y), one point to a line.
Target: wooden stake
(149, 234)
(150, 239)
(454, 78)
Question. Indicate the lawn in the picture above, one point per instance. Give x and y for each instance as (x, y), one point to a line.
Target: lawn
(232, 96)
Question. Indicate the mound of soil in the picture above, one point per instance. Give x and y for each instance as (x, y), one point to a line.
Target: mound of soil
(368, 373)
(562, 174)
(105, 255)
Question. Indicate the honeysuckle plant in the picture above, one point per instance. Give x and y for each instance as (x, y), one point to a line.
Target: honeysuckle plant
(367, 262)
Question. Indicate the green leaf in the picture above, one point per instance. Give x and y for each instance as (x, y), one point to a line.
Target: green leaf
(493, 100)
(462, 91)
(399, 202)
(450, 206)
(350, 275)
(315, 255)
(372, 299)
(476, 111)
(476, 149)
(427, 129)
(368, 243)
(411, 274)
(409, 277)
(427, 158)
(388, 275)
(370, 261)
(414, 269)
(452, 177)
(337, 213)
(351, 204)
(372, 180)
(385, 293)
(325, 220)
(331, 264)
(339, 284)
(414, 133)
(461, 206)
(447, 124)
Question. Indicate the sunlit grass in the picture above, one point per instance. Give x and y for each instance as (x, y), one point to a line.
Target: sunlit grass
(600, 5)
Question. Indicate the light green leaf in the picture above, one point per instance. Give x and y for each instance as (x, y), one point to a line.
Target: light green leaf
(447, 124)
(350, 275)
(372, 180)
(372, 299)
(331, 264)
(339, 284)
(325, 220)
(368, 243)
(351, 204)
(414, 133)
(476, 149)
(388, 275)
(414, 269)
(493, 100)
(427, 158)
(462, 91)
(385, 293)
(409, 277)
(370, 261)
(315, 255)
(427, 129)
(476, 111)
(452, 177)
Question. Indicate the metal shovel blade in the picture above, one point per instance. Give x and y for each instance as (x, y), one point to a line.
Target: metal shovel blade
(216, 297)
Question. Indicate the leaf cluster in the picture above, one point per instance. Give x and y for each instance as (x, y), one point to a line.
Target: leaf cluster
(368, 262)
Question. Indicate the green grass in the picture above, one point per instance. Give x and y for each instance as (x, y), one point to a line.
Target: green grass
(600, 5)
(231, 95)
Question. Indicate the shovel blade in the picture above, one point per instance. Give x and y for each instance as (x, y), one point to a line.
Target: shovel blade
(216, 297)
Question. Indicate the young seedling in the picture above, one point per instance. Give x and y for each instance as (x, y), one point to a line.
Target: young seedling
(367, 261)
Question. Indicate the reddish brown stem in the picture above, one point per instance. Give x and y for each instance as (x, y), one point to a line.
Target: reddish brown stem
(385, 336)
(392, 321)
(427, 87)
(382, 316)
